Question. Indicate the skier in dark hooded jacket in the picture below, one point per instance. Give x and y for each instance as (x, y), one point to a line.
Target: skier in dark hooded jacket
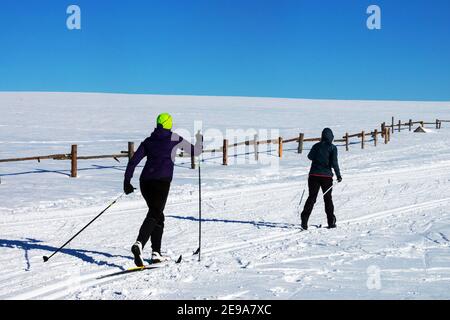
(324, 157)
(160, 149)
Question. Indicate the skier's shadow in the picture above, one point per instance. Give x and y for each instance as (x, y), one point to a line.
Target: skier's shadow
(33, 244)
(258, 224)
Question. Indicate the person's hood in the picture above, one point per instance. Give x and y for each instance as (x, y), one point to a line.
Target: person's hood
(327, 135)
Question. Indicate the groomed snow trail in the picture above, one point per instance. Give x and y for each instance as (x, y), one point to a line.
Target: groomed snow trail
(244, 251)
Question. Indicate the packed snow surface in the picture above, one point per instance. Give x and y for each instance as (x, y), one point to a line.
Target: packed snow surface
(392, 207)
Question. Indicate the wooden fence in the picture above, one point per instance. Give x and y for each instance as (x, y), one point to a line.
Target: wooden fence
(384, 132)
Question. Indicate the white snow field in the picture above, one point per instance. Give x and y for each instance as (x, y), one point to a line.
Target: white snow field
(392, 240)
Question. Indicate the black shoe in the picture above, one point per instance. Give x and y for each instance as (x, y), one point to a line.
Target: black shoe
(136, 249)
(332, 223)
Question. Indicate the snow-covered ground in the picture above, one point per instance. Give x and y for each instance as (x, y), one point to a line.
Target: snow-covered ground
(393, 233)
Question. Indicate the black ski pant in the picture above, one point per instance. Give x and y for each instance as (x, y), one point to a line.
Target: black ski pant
(155, 193)
(315, 183)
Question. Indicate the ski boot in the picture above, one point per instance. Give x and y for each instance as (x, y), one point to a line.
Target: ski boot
(136, 249)
(158, 258)
(332, 223)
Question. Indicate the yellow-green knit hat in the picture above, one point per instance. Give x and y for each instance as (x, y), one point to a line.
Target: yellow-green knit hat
(165, 120)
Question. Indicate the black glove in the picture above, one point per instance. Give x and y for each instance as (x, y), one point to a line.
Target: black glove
(128, 188)
(339, 179)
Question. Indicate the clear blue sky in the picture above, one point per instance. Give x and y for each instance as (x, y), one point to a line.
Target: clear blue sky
(278, 48)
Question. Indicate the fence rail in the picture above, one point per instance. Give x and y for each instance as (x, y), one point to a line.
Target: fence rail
(385, 132)
(38, 158)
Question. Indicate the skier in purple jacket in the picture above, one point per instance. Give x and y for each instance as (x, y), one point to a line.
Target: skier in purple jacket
(160, 149)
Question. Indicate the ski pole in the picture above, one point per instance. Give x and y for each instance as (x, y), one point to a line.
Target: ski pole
(301, 200)
(200, 159)
(329, 189)
(68, 241)
(199, 209)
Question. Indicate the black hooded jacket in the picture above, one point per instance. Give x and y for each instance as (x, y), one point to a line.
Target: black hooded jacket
(324, 156)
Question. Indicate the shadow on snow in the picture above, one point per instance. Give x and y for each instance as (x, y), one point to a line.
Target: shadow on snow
(258, 224)
(33, 244)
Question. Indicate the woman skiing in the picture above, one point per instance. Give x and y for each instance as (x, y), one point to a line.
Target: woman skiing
(160, 149)
(324, 157)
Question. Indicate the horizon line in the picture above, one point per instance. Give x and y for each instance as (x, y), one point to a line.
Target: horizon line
(225, 96)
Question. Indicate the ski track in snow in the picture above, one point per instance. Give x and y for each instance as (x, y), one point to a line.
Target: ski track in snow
(391, 210)
(62, 288)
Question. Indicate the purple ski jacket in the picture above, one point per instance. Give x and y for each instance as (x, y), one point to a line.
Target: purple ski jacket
(160, 149)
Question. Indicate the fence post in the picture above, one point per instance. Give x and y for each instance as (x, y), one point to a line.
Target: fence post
(74, 155)
(130, 150)
(280, 147)
(375, 137)
(410, 124)
(440, 124)
(399, 125)
(192, 161)
(383, 129)
(256, 145)
(422, 124)
(301, 137)
(363, 136)
(225, 152)
(392, 125)
(437, 124)
(346, 141)
(386, 130)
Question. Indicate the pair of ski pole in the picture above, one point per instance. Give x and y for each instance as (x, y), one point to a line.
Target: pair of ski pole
(303, 193)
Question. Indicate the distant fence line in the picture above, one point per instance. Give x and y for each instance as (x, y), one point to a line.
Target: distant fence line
(385, 132)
